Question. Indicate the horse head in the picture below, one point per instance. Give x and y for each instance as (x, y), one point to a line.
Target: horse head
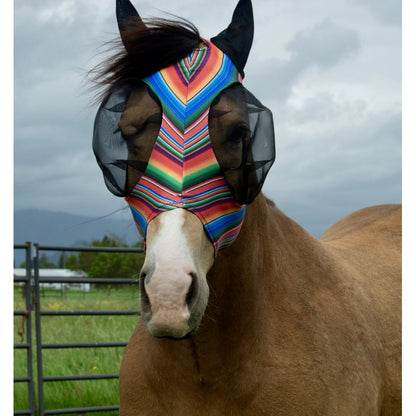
(188, 147)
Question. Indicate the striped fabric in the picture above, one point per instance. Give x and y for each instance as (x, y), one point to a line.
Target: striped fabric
(182, 171)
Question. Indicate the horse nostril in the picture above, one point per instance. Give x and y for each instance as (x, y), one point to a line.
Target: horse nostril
(143, 276)
(190, 297)
(143, 295)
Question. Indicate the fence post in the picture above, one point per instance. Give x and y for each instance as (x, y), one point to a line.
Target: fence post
(29, 308)
(38, 330)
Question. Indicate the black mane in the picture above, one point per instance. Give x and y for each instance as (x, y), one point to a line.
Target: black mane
(159, 44)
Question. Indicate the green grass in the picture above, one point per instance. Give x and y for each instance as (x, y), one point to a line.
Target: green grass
(79, 361)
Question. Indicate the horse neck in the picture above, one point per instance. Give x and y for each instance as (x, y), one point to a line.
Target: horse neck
(236, 278)
(252, 280)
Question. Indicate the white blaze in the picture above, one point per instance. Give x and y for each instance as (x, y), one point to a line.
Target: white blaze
(172, 263)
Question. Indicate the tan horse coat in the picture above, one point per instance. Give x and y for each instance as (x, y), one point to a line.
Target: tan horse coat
(294, 327)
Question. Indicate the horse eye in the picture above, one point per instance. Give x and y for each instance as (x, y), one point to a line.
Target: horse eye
(131, 132)
(238, 135)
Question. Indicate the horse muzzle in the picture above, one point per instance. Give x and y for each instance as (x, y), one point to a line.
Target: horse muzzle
(174, 290)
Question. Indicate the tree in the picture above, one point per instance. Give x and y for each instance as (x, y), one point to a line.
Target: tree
(71, 262)
(101, 264)
(44, 262)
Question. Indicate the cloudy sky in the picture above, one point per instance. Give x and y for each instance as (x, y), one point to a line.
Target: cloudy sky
(330, 70)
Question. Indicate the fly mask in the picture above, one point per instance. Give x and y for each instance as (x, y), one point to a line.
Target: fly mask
(184, 168)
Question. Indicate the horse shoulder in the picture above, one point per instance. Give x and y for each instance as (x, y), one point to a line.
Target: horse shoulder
(366, 246)
(381, 222)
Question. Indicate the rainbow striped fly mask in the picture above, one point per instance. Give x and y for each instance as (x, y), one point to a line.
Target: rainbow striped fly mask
(208, 147)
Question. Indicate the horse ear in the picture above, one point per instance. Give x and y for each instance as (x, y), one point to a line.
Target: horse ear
(236, 40)
(127, 19)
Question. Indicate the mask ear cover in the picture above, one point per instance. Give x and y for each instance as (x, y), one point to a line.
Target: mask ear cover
(258, 148)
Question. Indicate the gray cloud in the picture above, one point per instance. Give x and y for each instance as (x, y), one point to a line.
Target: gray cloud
(387, 11)
(325, 173)
(323, 46)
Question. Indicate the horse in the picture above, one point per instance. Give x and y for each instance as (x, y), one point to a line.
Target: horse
(243, 311)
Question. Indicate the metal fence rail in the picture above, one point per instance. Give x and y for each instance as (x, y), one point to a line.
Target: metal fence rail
(33, 305)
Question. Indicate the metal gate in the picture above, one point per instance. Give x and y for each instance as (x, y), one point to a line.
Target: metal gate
(34, 345)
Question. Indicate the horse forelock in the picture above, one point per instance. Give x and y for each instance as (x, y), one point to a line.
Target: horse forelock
(145, 50)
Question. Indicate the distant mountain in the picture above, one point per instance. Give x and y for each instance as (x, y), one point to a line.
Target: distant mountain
(63, 229)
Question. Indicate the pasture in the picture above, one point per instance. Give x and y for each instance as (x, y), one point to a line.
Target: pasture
(79, 361)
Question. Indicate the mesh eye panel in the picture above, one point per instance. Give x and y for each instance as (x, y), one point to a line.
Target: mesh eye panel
(109, 146)
(260, 150)
(247, 176)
